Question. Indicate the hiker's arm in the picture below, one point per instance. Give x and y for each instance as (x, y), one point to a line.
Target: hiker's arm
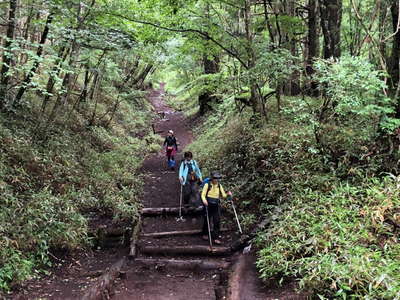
(181, 173)
(165, 142)
(223, 194)
(204, 194)
(176, 145)
(198, 172)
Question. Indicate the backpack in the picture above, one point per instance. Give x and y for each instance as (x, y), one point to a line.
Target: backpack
(171, 163)
(191, 173)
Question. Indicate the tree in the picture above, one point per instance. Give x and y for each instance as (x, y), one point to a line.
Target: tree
(331, 17)
(7, 53)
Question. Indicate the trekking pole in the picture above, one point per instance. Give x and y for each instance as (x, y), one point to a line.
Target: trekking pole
(209, 229)
(180, 218)
(236, 216)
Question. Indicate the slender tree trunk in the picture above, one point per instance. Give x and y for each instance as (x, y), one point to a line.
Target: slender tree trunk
(268, 23)
(142, 76)
(395, 57)
(331, 17)
(7, 57)
(35, 66)
(394, 68)
(251, 60)
(62, 56)
(312, 45)
(211, 66)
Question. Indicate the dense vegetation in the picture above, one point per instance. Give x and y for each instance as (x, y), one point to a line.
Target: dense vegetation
(73, 129)
(300, 110)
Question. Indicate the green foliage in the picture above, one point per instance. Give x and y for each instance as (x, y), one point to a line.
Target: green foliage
(332, 229)
(51, 188)
(342, 244)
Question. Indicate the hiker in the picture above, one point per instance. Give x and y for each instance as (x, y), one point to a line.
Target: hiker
(171, 147)
(189, 177)
(211, 196)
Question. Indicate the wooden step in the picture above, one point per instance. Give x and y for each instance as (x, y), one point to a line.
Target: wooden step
(175, 233)
(185, 250)
(180, 264)
(166, 211)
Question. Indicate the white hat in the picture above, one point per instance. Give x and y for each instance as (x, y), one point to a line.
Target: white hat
(170, 131)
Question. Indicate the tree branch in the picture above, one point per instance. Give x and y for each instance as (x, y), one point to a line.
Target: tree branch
(203, 34)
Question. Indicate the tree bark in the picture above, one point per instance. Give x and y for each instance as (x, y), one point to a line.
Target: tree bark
(255, 97)
(62, 56)
(312, 46)
(331, 18)
(395, 56)
(36, 64)
(211, 66)
(7, 55)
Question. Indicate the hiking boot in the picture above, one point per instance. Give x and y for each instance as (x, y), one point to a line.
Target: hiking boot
(205, 237)
(217, 242)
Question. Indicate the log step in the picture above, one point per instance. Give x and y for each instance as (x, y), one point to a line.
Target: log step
(192, 264)
(167, 211)
(185, 250)
(174, 233)
(170, 233)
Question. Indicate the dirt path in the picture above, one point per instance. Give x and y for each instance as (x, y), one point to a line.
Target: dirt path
(198, 275)
(162, 190)
(161, 281)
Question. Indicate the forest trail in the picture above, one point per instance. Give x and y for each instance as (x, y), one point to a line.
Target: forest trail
(188, 271)
(157, 281)
(165, 276)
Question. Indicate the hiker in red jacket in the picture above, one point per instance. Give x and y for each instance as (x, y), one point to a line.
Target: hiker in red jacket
(171, 147)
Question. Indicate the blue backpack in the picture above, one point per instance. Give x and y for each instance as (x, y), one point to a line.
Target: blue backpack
(205, 181)
(171, 163)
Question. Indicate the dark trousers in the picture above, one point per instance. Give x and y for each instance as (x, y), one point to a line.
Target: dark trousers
(214, 214)
(169, 155)
(190, 193)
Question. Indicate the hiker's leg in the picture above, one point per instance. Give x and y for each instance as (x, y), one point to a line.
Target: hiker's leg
(196, 200)
(212, 213)
(193, 193)
(186, 192)
(204, 230)
(217, 221)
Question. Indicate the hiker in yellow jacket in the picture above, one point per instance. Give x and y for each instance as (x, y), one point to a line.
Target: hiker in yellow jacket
(211, 196)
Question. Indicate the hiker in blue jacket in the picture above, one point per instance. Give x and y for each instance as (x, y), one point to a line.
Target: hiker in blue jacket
(189, 177)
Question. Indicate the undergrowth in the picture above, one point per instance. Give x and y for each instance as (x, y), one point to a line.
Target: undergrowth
(55, 182)
(335, 222)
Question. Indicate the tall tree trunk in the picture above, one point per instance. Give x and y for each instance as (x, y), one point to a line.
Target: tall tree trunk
(394, 67)
(331, 18)
(312, 45)
(251, 58)
(138, 81)
(7, 57)
(35, 66)
(62, 56)
(211, 66)
(268, 23)
(395, 57)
